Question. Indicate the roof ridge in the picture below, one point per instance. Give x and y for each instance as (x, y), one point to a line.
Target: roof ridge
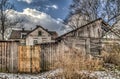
(81, 27)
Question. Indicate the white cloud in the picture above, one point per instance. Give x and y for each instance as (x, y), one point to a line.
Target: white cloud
(52, 6)
(32, 17)
(27, 1)
(59, 20)
(55, 6)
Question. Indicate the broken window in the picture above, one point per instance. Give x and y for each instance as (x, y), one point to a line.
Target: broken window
(39, 33)
(23, 35)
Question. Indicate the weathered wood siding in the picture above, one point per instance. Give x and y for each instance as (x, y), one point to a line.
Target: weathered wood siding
(8, 56)
(48, 52)
(91, 33)
(29, 59)
(45, 37)
(51, 52)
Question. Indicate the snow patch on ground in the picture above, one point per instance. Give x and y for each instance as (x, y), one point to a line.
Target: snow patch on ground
(17, 76)
(98, 74)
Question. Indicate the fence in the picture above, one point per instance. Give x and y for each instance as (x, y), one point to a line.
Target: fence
(48, 52)
(16, 58)
(8, 56)
(29, 59)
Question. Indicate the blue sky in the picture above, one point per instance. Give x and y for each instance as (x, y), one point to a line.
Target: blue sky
(54, 8)
(47, 13)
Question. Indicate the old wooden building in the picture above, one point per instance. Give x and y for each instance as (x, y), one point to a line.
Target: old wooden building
(89, 38)
(31, 37)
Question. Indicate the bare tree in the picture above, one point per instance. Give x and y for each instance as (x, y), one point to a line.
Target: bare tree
(76, 20)
(82, 11)
(108, 10)
(5, 21)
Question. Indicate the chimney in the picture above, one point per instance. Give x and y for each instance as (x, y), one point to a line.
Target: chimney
(47, 29)
(23, 29)
(37, 26)
(31, 28)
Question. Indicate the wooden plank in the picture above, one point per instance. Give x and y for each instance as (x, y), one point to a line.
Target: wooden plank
(5, 56)
(29, 59)
(35, 59)
(19, 56)
(9, 56)
(26, 57)
(0, 56)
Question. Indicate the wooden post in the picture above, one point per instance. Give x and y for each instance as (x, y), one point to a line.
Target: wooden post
(88, 46)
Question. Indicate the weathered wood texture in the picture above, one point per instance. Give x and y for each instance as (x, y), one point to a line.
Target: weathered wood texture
(8, 56)
(29, 59)
(51, 53)
(48, 52)
(32, 59)
(84, 35)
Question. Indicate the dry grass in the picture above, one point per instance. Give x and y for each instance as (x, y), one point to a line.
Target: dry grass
(112, 55)
(75, 61)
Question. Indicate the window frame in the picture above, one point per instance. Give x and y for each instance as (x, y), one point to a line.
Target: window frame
(35, 41)
(39, 33)
(23, 35)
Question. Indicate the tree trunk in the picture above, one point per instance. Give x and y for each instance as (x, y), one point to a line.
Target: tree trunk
(3, 30)
(2, 36)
